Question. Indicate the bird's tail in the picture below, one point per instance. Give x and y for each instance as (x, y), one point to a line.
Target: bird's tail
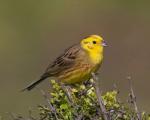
(34, 84)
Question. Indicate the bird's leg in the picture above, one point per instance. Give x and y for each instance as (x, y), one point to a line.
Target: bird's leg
(88, 84)
(67, 91)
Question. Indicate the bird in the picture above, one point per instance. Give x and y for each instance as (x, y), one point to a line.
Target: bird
(76, 63)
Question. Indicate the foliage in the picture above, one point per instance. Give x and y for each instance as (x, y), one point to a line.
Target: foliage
(79, 102)
(82, 104)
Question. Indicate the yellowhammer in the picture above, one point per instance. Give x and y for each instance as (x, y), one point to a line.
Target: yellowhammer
(77, 62)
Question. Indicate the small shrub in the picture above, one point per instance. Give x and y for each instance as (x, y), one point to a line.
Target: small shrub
(79, 102)
(83, 105)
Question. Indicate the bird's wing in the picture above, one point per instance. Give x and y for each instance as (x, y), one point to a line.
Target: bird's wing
(66, 60)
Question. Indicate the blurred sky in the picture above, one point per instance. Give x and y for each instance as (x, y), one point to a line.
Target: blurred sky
(34, 32)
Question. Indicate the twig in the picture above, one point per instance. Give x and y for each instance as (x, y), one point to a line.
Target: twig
(98, 93)
(49, 104)
(15, 117)
(68, 94)
(79, 117)
(133, 98)
(30, 115)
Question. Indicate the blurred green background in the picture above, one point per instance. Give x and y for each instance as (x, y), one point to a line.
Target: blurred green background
(34, 32)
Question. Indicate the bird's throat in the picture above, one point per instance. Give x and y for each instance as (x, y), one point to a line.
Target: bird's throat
(96, 57)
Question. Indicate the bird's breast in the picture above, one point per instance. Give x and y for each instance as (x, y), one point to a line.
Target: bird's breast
(78, 73)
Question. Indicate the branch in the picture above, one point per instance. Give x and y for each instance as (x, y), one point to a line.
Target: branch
(98, 93)
(133, 99)
(53, 110)
(68, 94)
(15, 117)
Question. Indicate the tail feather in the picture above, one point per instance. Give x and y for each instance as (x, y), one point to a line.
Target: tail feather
(34, 84)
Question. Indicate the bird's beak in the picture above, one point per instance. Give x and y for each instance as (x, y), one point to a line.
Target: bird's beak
(104, 43)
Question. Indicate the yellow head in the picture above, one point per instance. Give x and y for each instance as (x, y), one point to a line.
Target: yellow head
(93, 43)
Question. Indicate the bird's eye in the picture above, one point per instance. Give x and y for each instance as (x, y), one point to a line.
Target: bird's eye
(94, 42)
